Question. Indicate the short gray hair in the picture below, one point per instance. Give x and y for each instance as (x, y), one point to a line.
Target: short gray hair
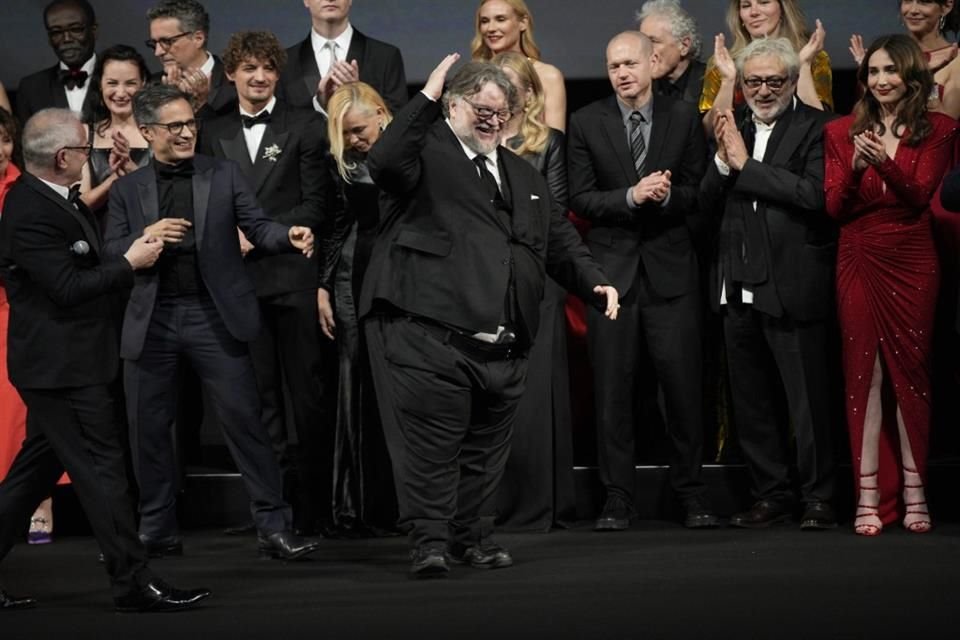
(149, 100)
(472, 77)
(190, 13)
(780, 48)
(682, 24)
(48, 131)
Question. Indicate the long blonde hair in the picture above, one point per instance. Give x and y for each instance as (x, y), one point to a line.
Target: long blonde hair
(533, 128)
(479, 49)
(353, 95)
(793, 25)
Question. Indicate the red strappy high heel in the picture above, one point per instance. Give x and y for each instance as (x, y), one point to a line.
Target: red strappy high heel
(865, 511)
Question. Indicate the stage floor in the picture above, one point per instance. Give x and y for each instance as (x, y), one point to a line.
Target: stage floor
(655, 581)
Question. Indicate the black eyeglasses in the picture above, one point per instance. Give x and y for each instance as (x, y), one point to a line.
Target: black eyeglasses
(485, 113)
(774, 83)
(175, 128)
(85, 149)
(76, 32)
(166, 43)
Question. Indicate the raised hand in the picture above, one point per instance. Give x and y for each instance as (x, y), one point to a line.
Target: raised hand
(857, 50)
(814, 44)
(434, 86)
(733, 145)
(723, 60)
(870, 147)
(302, 239)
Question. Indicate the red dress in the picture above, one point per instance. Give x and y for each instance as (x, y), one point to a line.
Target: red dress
(887, 285)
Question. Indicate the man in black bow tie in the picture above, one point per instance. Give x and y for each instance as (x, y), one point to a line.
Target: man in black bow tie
(198, 304)
(282, 150)
(63, 360)
(72, 30)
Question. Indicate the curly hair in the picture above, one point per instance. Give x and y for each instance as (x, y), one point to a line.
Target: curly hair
(911, 115)
(259, 45)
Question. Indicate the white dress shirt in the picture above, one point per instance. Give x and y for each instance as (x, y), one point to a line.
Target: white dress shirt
(75, 97)
(324, 57)
(254, 135)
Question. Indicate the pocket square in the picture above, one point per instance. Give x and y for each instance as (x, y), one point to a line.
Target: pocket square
(534, 196)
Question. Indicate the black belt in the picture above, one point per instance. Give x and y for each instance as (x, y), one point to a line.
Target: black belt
(472, 347)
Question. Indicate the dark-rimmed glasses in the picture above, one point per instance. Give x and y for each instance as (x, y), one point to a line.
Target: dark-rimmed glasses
(175, 128)
(85, 149)
(166, 43)
(774, 83)
(485, 113)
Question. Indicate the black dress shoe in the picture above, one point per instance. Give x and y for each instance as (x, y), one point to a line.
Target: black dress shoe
(698, 514)
(761, 515)
(9, 602)
(818, 516)
(284, 545)
(429, 561)
(616, 515)
(486, 555)
(161, 547)
(158, 596)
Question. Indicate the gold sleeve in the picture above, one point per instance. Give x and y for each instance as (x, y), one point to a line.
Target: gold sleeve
(711, 86)
(822, 79)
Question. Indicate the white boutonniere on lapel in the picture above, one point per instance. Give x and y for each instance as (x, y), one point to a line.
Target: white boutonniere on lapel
(272, 152)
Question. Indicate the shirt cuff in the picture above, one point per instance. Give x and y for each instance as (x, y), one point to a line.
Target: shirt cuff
(427, 96)
(722, 166)
(630, 201)
(317, 107)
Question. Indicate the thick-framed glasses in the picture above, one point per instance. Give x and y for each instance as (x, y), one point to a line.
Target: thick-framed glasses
(85, 149)
(774, 83)
(485, 113)
(175, 128)
(76, 32)
(165, 43)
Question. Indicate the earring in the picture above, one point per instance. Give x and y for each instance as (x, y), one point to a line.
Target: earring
(943, 21)
(381, 125)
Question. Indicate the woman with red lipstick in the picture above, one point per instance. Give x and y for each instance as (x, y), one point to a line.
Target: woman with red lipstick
(751, 19)
(506, 25)
(118, 147)
(883, 164)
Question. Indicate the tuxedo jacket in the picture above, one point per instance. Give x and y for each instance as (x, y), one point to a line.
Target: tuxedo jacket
(601, 169)
(380, 65)
(43, 90)
(443, 252)
(222, 96)
(790, 224)
(291, 180)
(59, 283)
(222, 201)
(691, 93)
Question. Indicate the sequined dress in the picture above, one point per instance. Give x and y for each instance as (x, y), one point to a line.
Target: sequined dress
(887, 285)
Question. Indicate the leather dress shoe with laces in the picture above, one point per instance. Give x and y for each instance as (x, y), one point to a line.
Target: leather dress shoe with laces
(616, 515)
(818, 516)
(698, 514)
(761, 515)
(284, 545)
(9, 602)
(161, 547)
(429, 561)
(486, 555)
(158, 596)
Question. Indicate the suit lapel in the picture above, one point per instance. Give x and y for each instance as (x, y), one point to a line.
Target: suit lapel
(795, 130)
(308, 65)
(612, 124)
(659, 132)
(235, 148)
(149, 199)
(202, 181)
(358, 47)
(275, 138)
(57, 91)
(216, 80)
(89, 231)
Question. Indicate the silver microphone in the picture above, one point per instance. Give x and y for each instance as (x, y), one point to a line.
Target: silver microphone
(80, 247)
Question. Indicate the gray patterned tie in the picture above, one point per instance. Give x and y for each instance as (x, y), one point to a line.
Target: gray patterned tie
(637, 146)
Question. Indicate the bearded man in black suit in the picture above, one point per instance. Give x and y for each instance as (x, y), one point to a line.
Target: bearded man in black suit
(72, 32)
(451, 302)
(283, 152)
(62, 355)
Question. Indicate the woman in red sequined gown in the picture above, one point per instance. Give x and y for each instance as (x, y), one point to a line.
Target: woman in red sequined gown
(883, 164)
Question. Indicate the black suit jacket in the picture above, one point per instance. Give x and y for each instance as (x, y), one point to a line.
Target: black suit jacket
(793, 229)
(442, 252)
(293, 187)
(62, 332)
(691, 92)
(381, 66)
(600, 170)
(43, 90)
(222, 96)
(222, 201)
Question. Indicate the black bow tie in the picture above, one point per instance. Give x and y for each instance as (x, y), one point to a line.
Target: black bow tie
(181, 169)
(261, 118)
(74, 195)
(72, 78)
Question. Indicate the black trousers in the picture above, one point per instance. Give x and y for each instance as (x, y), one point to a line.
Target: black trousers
(77, 429)
(767, 356)
(447, 418)
(288, 354)
(667, 331)
(192, 327)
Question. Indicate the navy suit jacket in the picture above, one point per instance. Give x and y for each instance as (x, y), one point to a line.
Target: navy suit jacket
(222, 201)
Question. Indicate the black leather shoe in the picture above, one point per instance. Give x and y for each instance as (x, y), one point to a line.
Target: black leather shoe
(161, 547)
(158, 596)
(818, 516)
(9, 602)
(284, 545)
(698, 514)
(429, 561)
(616, 515)
(486, 555)
(761, 515)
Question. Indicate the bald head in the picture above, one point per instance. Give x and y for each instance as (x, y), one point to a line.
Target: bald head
(632, 39)
(44, 137)
(630, 60)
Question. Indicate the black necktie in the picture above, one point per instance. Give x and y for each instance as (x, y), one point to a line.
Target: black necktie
(261, 118)
(74, 195)
(489, 182)
(638, 147)
(72, 78)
